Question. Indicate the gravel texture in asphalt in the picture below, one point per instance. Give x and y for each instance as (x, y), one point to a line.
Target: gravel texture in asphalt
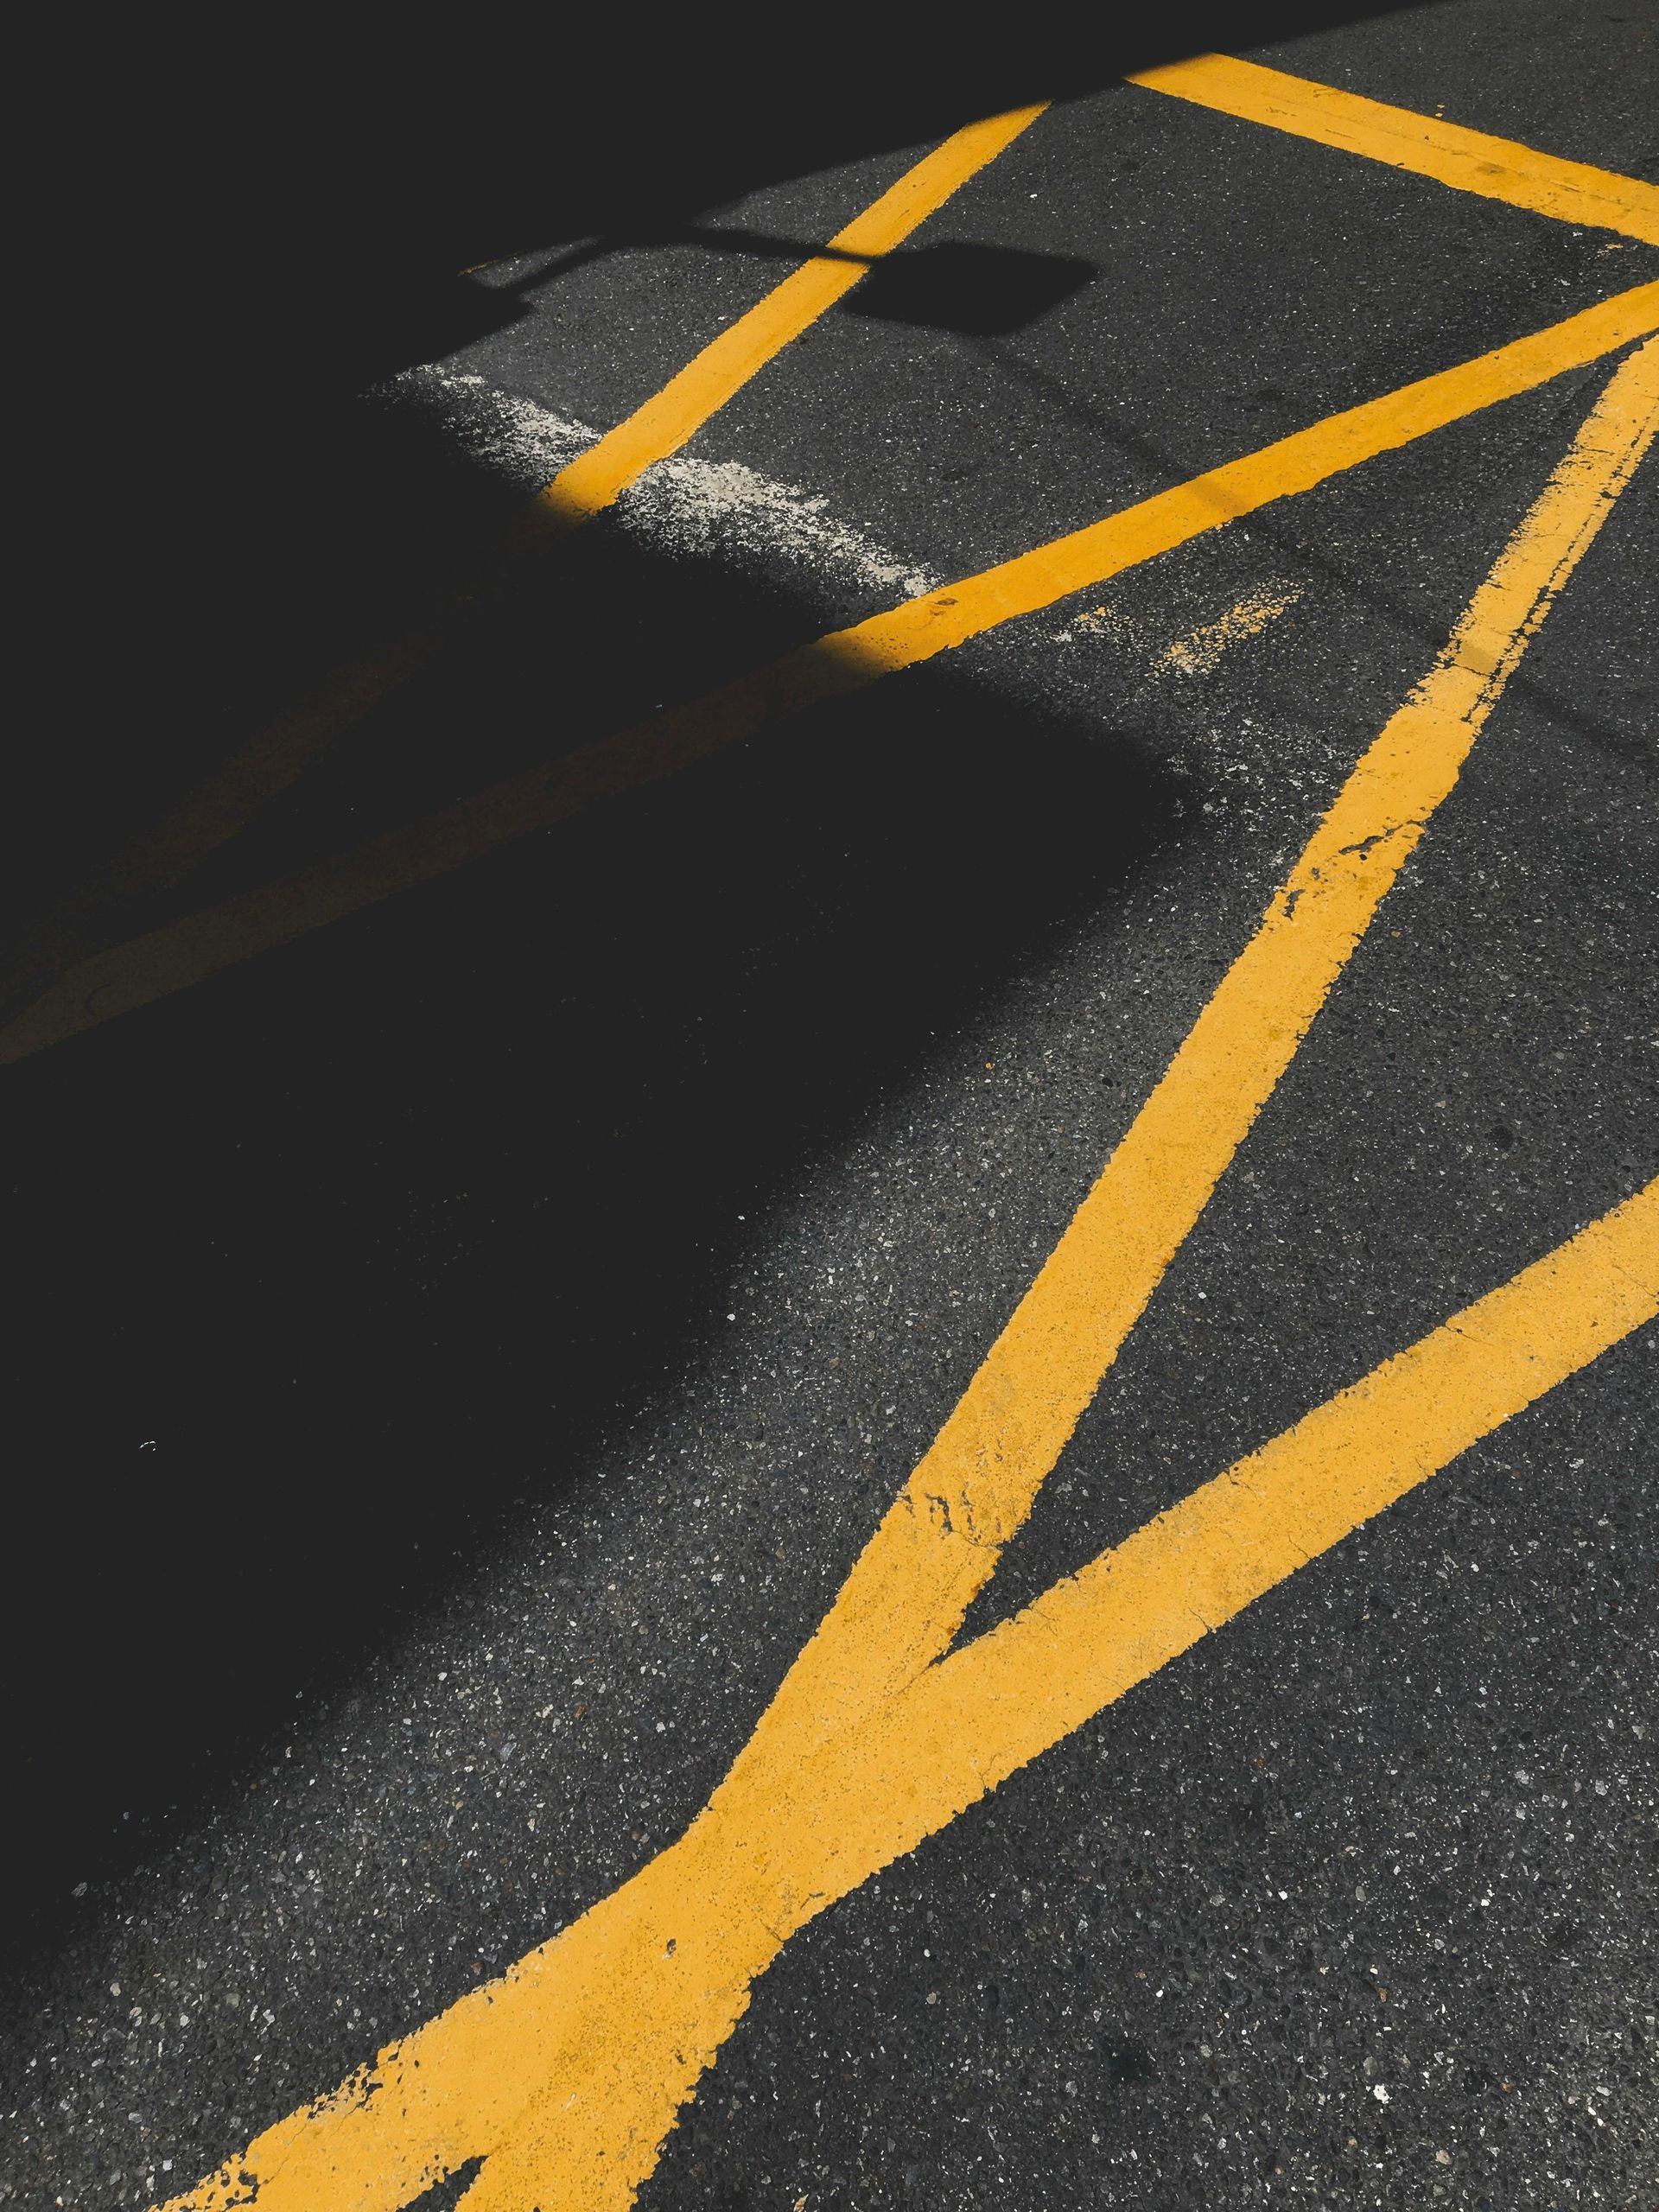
(463, 1351)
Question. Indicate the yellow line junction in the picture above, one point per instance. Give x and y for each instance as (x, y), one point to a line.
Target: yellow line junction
(565, 2077)
(1466, 161)
(199, 945)
(282, 751)
(557, 2081)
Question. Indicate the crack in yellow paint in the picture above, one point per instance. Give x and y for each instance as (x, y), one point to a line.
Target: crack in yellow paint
(1468, 160)
(198, 945)
(566, 2074)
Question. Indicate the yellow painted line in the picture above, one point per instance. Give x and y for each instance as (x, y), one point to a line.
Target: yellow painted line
(1469, 161)
(200, 945)
(1197, 652)
(940, 1543)
(566, 2074)
(664, 424)
(279, 753)
(1009, 1695)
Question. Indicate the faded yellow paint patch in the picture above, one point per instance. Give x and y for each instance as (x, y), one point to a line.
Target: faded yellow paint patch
(566, 2074)
(281, 751)
(595, 479)
(1109, 621)
(1200, 651)
(1469, 161)
(200, 945)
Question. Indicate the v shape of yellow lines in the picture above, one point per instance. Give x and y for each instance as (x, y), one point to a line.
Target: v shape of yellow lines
(565, 2075)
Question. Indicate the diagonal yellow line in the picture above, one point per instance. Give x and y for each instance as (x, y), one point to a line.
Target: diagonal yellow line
(566, 2074)
(1003, 1699)
(279, 753)
(771, 1853)
(202, 944)
(940, 1543)
(662, 425)
(1469, 161)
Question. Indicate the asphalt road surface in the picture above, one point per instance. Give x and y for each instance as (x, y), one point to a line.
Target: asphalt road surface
(1093, 1133)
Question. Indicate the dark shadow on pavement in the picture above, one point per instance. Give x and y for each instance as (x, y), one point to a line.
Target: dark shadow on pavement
(322, 1269)
(285, 221)
(981, 291)
(333, 1261)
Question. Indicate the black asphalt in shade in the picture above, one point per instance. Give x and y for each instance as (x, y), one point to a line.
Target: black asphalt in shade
(462, 1353)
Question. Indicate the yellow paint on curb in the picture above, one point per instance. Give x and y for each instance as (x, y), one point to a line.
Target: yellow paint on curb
(664, 424)
(1469, 161)
(566, 2074)
(202, 944)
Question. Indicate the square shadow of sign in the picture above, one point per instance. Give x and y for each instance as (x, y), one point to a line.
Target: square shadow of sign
(983, 290)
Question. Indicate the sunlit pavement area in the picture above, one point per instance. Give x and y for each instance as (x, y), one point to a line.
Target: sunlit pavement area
(528, 1137)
